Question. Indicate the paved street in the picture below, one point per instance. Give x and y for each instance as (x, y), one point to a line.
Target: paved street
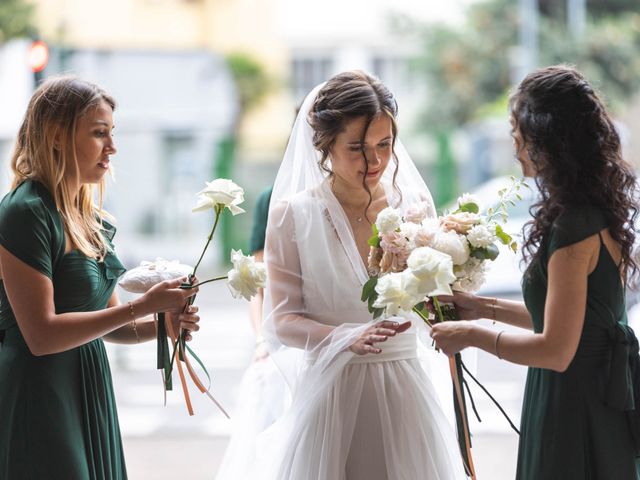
(164, 442)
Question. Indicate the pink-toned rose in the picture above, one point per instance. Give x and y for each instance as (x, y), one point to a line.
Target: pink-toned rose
(424, 237)
(459, 222)
(393, 262)
(417, 212)
(396, 251)
(375, 256)
(394, 242)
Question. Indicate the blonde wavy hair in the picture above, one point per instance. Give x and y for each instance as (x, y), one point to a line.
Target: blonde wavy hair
(45, 152)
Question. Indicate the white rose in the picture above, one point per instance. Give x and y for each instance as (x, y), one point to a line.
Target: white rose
(470, 284)
(417, 212)
(388, 220)
(480, 236)
(148, 274)
(470, 276)
(467, 198)
(397, 291)
(454, 245)
(247, 275)
(220, 192)
(433, 269)
(426, 234)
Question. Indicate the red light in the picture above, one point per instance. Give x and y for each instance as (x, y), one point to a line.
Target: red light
(38, 56)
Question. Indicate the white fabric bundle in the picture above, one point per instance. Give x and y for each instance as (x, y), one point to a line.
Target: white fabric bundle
(148, 274)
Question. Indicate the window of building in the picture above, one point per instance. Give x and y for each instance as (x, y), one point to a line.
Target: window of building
(307, 72)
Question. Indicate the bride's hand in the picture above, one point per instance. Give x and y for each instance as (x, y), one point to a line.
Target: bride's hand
(468, 306)
(376, 333)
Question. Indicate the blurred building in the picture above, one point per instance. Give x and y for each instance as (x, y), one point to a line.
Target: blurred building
(164, 61)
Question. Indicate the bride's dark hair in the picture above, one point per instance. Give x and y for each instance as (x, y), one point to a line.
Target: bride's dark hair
(345, 97)
(576, 154)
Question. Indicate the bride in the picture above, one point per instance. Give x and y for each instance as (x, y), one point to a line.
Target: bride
(362, 406)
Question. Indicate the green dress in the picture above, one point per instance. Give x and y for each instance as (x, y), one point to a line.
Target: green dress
(58, 412)
(260, 214)
(575, 424)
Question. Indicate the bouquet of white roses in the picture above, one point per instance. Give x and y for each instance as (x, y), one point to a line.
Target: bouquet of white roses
(244, 280)
(413, 259)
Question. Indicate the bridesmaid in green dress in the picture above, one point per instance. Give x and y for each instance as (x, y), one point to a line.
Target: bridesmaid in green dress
(579, 417)
(58, 271)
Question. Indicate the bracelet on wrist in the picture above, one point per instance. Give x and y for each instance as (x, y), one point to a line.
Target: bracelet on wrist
(497, 351)
(494, 302)
(133, 321)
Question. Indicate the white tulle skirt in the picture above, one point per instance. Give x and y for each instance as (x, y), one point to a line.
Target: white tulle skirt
(372, 417)
(262, 397)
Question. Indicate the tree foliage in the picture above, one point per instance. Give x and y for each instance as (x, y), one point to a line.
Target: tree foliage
(251, 80)
(469, 67)
(15, 19)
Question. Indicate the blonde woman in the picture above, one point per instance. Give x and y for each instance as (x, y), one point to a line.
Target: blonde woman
(58, 271)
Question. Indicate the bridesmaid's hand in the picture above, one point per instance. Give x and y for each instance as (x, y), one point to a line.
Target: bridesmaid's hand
(468, 305)
(166, 296)
(452, 336)
(187, 321)
(378, 332)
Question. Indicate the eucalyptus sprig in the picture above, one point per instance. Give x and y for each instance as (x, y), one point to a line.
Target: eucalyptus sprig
(506, 198)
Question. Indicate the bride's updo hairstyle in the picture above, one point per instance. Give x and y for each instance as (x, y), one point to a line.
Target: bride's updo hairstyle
(345, 97)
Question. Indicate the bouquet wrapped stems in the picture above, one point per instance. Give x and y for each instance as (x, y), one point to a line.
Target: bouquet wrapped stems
(457, 369)
(165, 330)
(443, 312)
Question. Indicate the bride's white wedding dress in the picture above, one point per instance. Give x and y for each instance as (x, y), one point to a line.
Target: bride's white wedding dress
(370, 417)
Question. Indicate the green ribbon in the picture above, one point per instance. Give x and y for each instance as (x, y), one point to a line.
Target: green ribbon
(163, 362)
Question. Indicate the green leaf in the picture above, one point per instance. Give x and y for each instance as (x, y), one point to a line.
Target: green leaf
(489, 253)
(470, 207)
(374, 240)
(503, 236)
(371, 300)
(377, 312)
(514, 247)
(369, 288)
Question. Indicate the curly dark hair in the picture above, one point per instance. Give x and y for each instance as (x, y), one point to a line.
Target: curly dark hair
(345, 97)
(576, 153)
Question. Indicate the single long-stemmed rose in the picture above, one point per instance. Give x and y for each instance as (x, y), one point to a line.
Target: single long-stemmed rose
(219, 194)
(244, 280)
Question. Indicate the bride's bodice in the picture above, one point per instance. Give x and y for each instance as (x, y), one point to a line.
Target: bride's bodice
(332, 272)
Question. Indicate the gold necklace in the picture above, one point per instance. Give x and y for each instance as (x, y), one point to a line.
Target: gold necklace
(348, 210)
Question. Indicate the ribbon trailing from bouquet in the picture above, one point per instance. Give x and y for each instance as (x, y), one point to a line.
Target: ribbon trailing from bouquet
(457, 369)
(180, 355)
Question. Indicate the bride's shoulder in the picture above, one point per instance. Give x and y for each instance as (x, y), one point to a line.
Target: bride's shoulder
(299, 200)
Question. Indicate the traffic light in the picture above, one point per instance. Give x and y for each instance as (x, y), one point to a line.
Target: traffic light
(38, 59)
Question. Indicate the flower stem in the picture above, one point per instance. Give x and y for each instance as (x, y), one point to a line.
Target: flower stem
(218, 211)
(186, 287)
(436, 304)
(423, 317)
